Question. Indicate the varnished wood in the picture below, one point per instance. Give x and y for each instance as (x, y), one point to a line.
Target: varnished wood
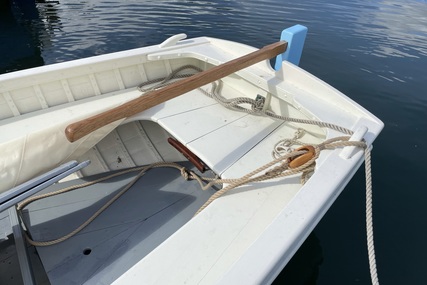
(84, 127)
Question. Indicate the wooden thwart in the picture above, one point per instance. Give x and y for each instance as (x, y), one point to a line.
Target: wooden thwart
(84, 127)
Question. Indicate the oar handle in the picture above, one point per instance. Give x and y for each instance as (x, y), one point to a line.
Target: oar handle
(81, 128)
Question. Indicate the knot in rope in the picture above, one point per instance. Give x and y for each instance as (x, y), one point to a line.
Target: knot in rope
(185, 174)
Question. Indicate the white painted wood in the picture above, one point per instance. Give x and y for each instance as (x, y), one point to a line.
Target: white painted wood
(67, 90)
(223, 147)
(119, 79)
(11, 104)
(5, 109)
(209, 119)
(94, 84)
(40, 97)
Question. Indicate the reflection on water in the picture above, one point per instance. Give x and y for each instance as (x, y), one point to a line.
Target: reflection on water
(373, 51)
(396, 29)
(70, 29)
(26, 29)
(303, 268)
(19, 45)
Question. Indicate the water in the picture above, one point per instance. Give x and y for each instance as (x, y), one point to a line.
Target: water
(373, 51)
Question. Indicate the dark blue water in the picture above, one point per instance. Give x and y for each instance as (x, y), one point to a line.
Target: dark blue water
(373, 51)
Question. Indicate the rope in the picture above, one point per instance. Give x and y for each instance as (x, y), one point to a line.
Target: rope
(164, 81)
(369, 220)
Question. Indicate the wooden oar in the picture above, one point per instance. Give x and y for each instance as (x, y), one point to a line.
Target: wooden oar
(81, 128)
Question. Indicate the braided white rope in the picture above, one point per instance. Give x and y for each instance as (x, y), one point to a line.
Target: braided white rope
(369, 220)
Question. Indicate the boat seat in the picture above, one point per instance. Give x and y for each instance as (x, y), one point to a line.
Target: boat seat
(230, 133)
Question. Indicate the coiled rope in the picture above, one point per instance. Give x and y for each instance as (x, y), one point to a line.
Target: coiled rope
(277, 168)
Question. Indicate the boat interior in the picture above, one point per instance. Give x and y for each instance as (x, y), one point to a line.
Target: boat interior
(228, 143)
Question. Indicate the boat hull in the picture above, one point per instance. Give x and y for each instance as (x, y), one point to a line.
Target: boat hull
(244, 237)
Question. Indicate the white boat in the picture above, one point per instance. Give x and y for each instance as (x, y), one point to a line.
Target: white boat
(151, 235)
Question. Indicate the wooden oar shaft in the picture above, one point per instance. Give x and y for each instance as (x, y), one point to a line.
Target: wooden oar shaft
(81, 128)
